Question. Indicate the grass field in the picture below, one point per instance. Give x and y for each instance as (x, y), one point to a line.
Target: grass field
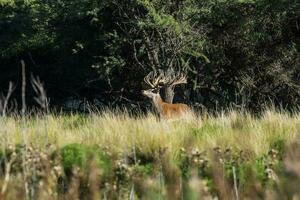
(112, 155)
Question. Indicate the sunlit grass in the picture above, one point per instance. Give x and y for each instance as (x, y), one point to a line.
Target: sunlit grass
(119, 155)
(120, 133)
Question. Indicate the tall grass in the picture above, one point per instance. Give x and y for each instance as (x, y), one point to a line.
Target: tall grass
(119, 131)
(211, 156)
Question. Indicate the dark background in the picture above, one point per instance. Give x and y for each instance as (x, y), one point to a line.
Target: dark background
(236, 53)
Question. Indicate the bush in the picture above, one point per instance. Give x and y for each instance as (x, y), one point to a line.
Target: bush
(79, 155)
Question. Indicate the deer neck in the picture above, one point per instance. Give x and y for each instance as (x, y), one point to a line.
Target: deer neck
(157, 102)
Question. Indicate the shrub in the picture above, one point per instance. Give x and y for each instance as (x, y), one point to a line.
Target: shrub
(79, 155)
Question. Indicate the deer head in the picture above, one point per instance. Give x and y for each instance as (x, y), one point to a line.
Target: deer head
(158, 79)
(164, 79)
(151, 93)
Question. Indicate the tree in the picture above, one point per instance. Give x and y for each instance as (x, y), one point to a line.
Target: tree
(162, 35)
(235, 53)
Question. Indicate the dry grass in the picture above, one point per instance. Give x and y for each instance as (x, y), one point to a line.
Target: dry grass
(120, 131)
(189, 158)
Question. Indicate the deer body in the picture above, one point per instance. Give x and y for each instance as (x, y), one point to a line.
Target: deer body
(169, 79)
(167, 110)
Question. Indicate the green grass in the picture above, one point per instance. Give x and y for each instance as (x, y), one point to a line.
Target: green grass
(146, 156)
(120, 132)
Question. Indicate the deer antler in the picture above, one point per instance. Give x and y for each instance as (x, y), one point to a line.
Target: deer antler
(154, 79)
(168, 78)
(172, 78)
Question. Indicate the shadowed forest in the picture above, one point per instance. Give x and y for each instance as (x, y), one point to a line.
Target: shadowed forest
(149, 99)
(236, 53)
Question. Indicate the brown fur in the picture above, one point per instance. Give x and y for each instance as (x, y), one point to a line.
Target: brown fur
(167, 110)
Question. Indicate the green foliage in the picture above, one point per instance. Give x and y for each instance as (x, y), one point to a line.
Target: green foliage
(278, 145)
(145, 170)
(237, 53)
(260, 170)
(250, 41)
(79, 155)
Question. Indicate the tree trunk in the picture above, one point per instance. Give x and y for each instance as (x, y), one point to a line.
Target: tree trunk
(168, 94)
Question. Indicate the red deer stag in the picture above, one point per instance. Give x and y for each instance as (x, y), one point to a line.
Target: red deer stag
(156, 81)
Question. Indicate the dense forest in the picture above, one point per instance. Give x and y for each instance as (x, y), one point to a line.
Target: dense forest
(236, 53)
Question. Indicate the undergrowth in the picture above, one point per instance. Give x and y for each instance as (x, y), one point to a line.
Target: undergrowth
(114, 156)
